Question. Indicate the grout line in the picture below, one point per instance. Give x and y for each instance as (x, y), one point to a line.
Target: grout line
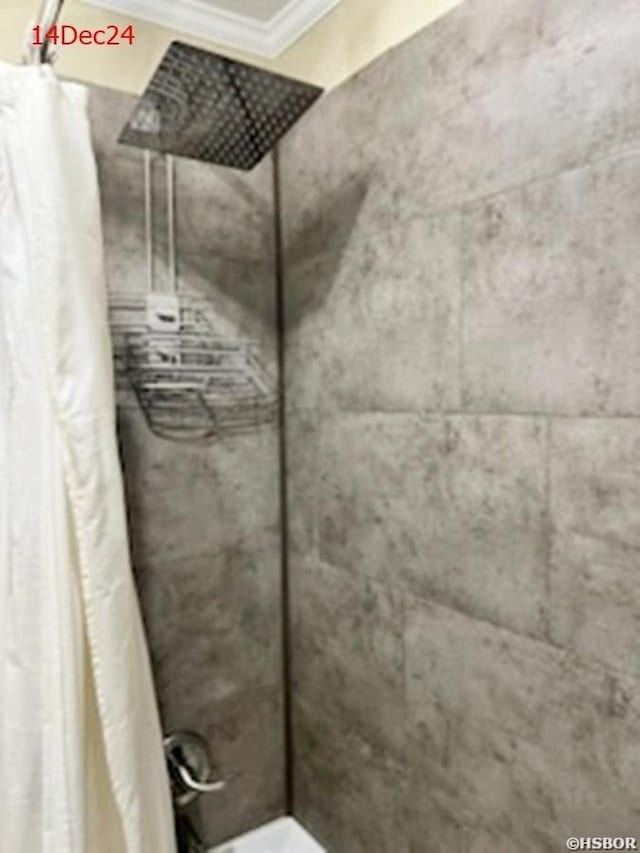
(435, 414)
(285, 587)
(462, 307)
(464, 203)
(411, 598)
(405, 679)
(594, 416)
(615, 155)
(548, 440)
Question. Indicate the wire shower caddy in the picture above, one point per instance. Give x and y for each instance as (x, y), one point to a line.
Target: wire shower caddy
(191, 383)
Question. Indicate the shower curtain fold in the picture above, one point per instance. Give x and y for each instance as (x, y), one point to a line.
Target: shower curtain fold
(81, 764)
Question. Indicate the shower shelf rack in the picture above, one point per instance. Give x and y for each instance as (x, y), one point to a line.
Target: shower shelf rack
(192, 384)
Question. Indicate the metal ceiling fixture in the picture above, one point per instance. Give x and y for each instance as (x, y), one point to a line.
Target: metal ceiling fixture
(212, 108)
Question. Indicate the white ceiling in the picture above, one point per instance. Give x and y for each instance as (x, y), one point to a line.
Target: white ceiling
(263, 27)
(261, 10)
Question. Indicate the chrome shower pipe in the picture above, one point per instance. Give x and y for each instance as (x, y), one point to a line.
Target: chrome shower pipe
(148, 218)
(171, 222)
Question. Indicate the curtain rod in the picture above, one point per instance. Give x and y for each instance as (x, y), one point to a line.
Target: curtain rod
(47, 17)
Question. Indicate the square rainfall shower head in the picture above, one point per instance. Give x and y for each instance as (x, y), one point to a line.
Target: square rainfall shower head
(211, 108)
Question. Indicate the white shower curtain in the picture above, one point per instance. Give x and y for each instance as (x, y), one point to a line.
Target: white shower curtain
(81, 765)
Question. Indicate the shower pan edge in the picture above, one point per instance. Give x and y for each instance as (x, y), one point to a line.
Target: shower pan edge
(284, 835)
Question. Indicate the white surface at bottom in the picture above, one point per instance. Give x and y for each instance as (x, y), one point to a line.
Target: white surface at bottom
(284, 835)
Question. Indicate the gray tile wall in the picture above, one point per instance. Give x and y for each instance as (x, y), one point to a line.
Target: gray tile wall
(204, 519)
(462, 278)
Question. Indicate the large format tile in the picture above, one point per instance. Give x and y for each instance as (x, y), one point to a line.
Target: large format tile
(320, 181)
(301, 475)
(125, 270)
(351, 795)
(189, 499)
(552, 305)
(512, 738)
(595, 494)
(223, 212)
(402, 94)
(452, 508)
(348, 653)
(518, 122)
(564, 105)
(371, 494)
(400, 289)
(583, 24)
(122, 198)
(215, 619)
(459, 56)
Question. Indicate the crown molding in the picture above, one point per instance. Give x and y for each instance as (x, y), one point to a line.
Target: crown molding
(197, 18)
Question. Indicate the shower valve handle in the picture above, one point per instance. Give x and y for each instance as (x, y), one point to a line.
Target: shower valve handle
(190, 767)
(193, 784)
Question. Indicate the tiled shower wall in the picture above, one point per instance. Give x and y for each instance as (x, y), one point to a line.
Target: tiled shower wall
(462, 280)
(204, 518)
